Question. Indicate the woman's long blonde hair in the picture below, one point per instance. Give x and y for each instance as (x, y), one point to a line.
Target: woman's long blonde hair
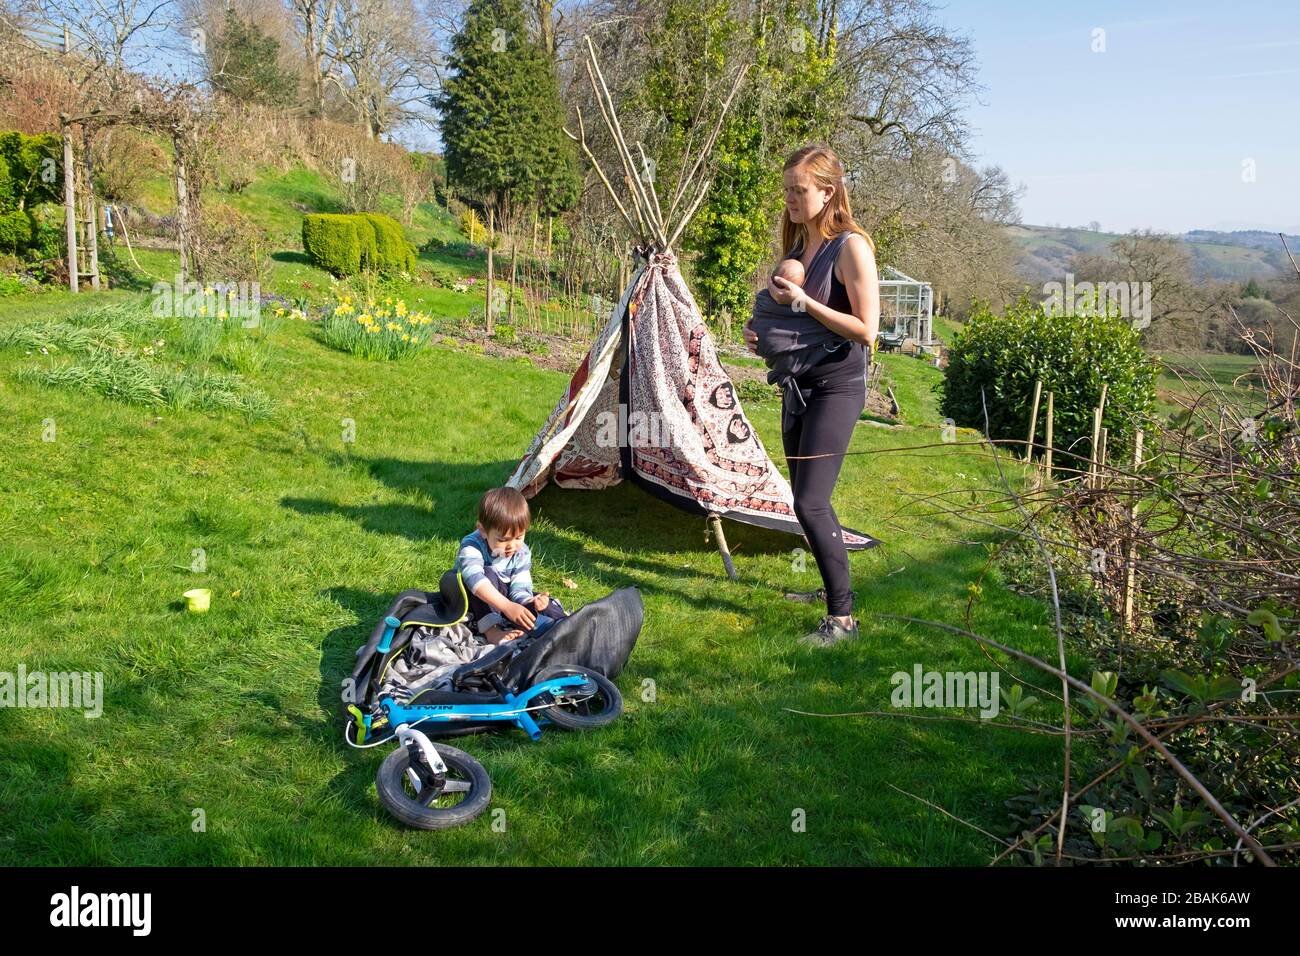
(825, 169)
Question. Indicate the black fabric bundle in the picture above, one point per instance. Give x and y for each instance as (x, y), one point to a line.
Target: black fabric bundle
(599, 636)
(793, 342)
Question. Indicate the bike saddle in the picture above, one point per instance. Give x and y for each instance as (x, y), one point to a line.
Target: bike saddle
(447, 606)
(484, 664)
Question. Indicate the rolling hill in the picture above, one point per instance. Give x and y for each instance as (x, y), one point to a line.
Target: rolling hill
(1044, 252)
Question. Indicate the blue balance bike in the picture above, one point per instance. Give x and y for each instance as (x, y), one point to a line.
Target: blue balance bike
(428, 784)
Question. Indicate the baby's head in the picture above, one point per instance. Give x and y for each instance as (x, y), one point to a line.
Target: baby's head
(502, 520)
(792, 270)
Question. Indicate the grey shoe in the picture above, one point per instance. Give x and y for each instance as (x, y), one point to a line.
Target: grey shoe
(829, 632)
(807, 597)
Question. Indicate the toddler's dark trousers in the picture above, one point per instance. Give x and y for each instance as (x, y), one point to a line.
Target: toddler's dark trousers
(478, 607)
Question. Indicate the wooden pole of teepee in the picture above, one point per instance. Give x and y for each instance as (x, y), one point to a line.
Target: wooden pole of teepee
(715, 526)
(651, 211)
(581, 140)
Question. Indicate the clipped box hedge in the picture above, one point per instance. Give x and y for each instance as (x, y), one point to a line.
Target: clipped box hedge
(331, 241)
(395, 254)
(348, 243)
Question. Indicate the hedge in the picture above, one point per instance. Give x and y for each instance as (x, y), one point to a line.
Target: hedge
(395, 253)
(346, 244)
(1003, 355)
(332, 242)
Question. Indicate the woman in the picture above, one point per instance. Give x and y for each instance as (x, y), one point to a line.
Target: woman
(834, 391)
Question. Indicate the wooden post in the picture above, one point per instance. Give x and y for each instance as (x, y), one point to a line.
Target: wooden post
(92, 219)
(182, 210)
(489, 290)
(69, 201)
(1101, 457)
(1096, 436)
(1033, 420)
(1130, 571)
(514, 265)
(1047, 454)
(715, 525)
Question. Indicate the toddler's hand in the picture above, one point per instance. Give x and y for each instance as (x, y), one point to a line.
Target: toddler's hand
(542, 601)
(520, 615)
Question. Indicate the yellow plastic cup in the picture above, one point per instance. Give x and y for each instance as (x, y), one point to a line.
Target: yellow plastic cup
(198, 600)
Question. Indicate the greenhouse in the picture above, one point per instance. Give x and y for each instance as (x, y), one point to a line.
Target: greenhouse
(906, 310)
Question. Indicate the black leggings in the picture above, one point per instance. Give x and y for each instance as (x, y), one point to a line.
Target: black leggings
(838, 395)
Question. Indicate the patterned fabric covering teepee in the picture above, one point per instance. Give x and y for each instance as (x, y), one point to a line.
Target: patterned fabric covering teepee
(651, 402)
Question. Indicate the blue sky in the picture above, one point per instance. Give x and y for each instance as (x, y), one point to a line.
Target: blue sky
(1151, 133)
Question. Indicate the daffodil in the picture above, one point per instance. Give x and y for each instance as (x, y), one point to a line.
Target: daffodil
(393, 327)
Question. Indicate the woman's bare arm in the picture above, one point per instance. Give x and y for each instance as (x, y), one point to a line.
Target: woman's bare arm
(861, 280)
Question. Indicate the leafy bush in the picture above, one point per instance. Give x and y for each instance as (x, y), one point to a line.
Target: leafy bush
(332, 241)
(1003, 355)
(392, 252)
(15, 284)
(48, 231)
(27, 180)
(348, 243)
(15, 230)
(472, 227)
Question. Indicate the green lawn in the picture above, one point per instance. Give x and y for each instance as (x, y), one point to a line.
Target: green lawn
(307, 539)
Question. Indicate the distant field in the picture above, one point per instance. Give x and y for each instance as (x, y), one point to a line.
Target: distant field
(1191, 374)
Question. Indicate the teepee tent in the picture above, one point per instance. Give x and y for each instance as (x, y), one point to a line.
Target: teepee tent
(651, 402)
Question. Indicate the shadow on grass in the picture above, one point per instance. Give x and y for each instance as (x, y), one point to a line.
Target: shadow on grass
(645, 533)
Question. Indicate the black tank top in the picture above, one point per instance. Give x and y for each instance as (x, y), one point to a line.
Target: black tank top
(839, 295)
(853, 354)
